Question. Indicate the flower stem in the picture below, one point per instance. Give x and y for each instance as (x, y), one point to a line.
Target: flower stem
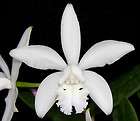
(27, 85)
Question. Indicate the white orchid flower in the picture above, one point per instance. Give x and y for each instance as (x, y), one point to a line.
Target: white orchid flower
(9, 81)
(71, 86)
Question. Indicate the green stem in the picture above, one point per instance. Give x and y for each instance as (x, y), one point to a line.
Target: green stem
(27, 85)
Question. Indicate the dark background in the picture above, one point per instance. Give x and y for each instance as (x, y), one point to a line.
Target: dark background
(99, 20)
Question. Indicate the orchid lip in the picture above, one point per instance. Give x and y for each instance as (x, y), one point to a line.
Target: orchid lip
(72, 92)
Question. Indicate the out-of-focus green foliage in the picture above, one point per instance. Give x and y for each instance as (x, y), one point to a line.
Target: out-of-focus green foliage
(126, 85)
(124, 111)
(138, 94)
(27, 97)
(122, 88)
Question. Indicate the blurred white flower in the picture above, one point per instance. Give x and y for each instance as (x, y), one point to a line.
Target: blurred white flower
(8, 80)
(88, 116)
(71, 86)
(5, 82)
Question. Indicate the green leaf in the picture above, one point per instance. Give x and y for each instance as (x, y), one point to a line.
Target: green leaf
(27, 97)
(124, 112)
(138, 94)
(126, 85)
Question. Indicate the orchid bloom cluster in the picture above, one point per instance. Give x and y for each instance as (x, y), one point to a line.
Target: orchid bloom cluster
(70, 87)
(8, 81)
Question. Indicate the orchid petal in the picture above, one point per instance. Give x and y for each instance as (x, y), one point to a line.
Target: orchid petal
(15, 69)
(24, 41)
(99, 91)
(40, 57)
(10, 104)
(70, 35)
(4, 67)
(46, 94)
(2, 75)
(88, 116)
(105, 52)
(5, 83)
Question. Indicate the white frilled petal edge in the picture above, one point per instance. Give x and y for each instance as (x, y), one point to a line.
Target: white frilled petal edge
(73, 84)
